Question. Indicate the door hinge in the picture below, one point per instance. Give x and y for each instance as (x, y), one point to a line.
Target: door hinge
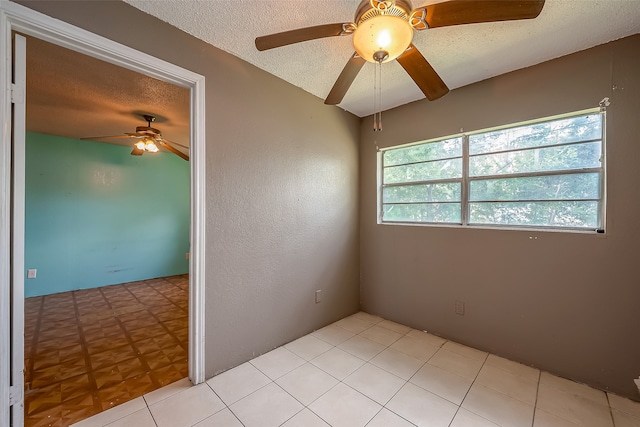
(15, 395)
(17, 94)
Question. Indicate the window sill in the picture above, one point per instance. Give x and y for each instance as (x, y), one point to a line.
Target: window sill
(500, 228)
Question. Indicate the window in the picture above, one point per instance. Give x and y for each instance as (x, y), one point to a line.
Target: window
(544, 174)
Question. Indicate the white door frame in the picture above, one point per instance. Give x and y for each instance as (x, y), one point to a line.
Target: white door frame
(14, 17)
(17, 210)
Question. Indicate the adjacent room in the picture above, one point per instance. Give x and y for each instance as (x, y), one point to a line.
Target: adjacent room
(106, 236)
(451, 242)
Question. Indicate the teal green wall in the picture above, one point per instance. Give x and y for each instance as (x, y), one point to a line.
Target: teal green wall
(95, 215)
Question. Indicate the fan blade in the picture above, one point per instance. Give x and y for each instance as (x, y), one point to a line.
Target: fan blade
(422, 73)
(136, 151)
(347, 76)
(107, 137)
(174, 143)
(457, 12)
(300, 35)
(174, 150)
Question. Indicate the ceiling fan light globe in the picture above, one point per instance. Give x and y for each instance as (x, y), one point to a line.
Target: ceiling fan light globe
(151, 147)
(389, 33)
(139, 145)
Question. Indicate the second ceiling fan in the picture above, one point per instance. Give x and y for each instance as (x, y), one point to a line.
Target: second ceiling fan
(148, 139)
(383, 31)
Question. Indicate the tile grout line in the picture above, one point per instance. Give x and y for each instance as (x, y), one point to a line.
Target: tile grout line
(339, 381)
(369, 362)
(535, 403)
(571, 393)
(309, 361)
(166, 297)
(149, 410)
(613, 420)
(398, 391)
(87, 358)
(227, 406)
(467, 393)
(382, 406)
(151, 311)
(161, 322)
(132, 344)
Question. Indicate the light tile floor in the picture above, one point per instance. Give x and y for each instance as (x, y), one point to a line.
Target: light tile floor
(367, 371)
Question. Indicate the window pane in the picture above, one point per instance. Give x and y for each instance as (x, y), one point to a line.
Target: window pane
(442, 169)
(423, 212)
(443, 192)
(562, 131)
(558, 214)
(576, 156)
(547, 174)
(419, 153)
(556, 187)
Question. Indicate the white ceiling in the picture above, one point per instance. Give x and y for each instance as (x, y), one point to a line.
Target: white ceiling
(461, 55)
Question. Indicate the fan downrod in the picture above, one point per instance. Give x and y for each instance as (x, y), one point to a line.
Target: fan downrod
(148, 130)
(149, 118)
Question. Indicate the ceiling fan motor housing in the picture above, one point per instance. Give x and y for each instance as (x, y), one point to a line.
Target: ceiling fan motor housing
(149, 131)
(383, 31)
(368, 9)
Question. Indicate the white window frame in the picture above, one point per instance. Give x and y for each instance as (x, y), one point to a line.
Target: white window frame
(465, 179)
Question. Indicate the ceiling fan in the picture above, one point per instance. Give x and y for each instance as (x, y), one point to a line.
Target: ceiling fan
(148, 140)
(383, 31)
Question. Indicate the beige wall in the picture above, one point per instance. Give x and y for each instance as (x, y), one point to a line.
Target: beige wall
(282, 191)
(567, 303)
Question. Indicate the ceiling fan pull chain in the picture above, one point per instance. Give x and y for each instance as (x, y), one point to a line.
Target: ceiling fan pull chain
(377, 97)
(380, 96)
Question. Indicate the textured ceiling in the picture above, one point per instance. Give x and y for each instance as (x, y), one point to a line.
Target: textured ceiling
(76, 96)
(73, 95)
(461, 55)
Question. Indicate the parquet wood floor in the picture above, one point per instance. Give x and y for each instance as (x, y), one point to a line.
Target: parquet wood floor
(89, 350)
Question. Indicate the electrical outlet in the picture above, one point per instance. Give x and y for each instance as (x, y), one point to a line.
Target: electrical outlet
(31, 273)
(460, 308)
(187, 255)
(318, 296)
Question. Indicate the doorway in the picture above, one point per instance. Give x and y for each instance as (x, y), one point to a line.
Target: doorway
(18, 18)
(106, 233)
